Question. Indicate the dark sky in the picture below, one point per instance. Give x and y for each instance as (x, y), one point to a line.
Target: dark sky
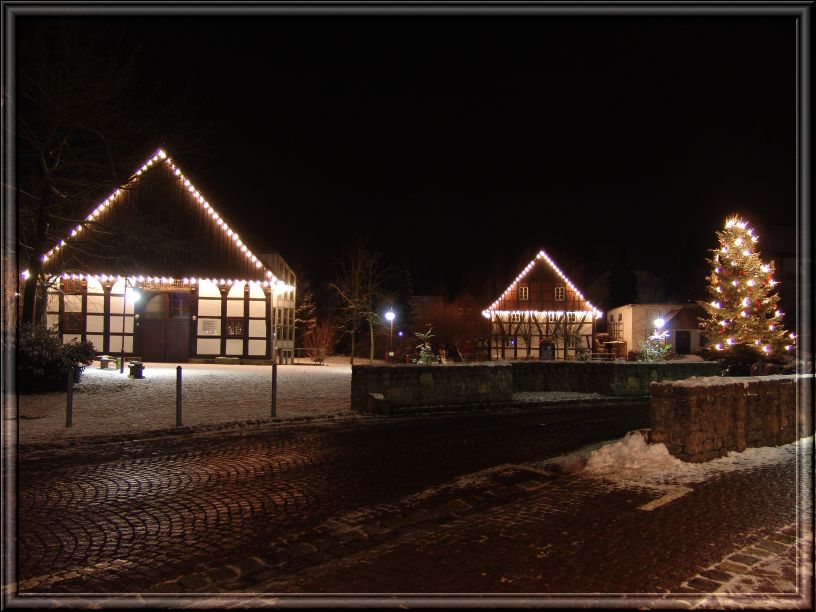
(460, 145)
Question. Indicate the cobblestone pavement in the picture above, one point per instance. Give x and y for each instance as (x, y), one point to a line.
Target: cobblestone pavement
(448, 506)
(733, 538)
(126, 517)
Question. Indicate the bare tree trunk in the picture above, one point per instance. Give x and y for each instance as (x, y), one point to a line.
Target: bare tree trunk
(371, 335)
(353, 344)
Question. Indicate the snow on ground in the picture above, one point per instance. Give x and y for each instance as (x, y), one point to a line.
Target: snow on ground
(109, 403)
(632, 461)
(709, 381)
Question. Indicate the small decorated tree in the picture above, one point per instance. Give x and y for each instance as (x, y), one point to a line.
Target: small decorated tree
(426, 354)
(744, 309)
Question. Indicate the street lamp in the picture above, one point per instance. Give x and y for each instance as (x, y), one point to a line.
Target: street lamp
(134, 297)
(390, 316)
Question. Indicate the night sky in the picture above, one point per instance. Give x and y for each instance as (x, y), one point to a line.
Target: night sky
(460, 145)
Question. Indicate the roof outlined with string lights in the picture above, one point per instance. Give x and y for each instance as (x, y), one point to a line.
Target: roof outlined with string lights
(542, 279)
(193, 241)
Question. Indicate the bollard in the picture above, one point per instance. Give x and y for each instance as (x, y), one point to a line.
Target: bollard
(274, 387)
(69, 408)
(178, 396)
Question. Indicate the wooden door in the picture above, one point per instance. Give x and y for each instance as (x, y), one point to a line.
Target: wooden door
(165, 328)
(682, 342)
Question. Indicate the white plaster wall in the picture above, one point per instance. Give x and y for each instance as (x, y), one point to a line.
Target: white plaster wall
(96, 303)
(208, 346)
(94, 286)
(257, 309)
(209, 308)
(257, 347)
(95, 323)
(116, 324)
(73, 303)
(235, 308)
(208, 289)
(236, 291)
(97, 341)
(257, 329)
(235, 347)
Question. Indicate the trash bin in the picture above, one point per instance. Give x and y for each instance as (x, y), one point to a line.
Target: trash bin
(136, 369)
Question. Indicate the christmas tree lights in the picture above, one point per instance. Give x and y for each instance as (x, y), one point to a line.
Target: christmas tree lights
(744, 304)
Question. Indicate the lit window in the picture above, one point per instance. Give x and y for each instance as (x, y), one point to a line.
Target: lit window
(524, 293)
(235, 327)
(571, 317)
(72, 286)
(515, 317)
(560, 294)
(551, 317)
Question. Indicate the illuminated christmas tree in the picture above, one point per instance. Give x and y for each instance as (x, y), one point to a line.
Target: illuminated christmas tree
(744, 307)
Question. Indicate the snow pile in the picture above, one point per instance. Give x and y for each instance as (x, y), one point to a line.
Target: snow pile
(632, 455)
(632, 461)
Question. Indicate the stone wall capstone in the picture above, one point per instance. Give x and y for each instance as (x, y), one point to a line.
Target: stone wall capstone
(700, 419)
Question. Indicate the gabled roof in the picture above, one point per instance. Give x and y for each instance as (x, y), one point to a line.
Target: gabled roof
(541, 259)
(206, 247)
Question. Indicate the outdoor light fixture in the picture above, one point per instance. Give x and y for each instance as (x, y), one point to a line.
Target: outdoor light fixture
(658, 323)
(391, 316)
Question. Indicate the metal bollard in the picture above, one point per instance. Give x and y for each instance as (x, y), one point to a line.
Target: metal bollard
(178, 396)
(274, 387)
(69, 407)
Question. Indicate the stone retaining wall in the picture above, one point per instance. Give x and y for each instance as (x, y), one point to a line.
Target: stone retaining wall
(374, 388)
(705, 418)
(619, 378)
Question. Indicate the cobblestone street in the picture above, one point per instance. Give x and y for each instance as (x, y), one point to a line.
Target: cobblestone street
(457, 504)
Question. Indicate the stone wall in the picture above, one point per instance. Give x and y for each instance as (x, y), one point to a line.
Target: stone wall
(376, 388)
(619, 378)
(705, 418)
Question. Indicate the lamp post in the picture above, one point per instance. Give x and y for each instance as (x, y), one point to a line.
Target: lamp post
(135, 298)
(390, 316)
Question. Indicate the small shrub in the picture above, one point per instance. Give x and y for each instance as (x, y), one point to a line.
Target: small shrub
(43, 360)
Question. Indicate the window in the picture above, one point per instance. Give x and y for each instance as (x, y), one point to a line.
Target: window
(468, 311)
(611, 318)
(72, 285)
(551, 317)
(460, 311)
(560, 294)
(72, 323)
(620, 316)
(515, 317)
(524, 293)
(178, 306)
(235, 327)
(571, 317)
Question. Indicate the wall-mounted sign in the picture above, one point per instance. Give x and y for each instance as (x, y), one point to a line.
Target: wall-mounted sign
(209, 327)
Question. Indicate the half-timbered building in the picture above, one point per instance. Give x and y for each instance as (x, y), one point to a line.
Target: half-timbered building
(194, 293)
(541, 315)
